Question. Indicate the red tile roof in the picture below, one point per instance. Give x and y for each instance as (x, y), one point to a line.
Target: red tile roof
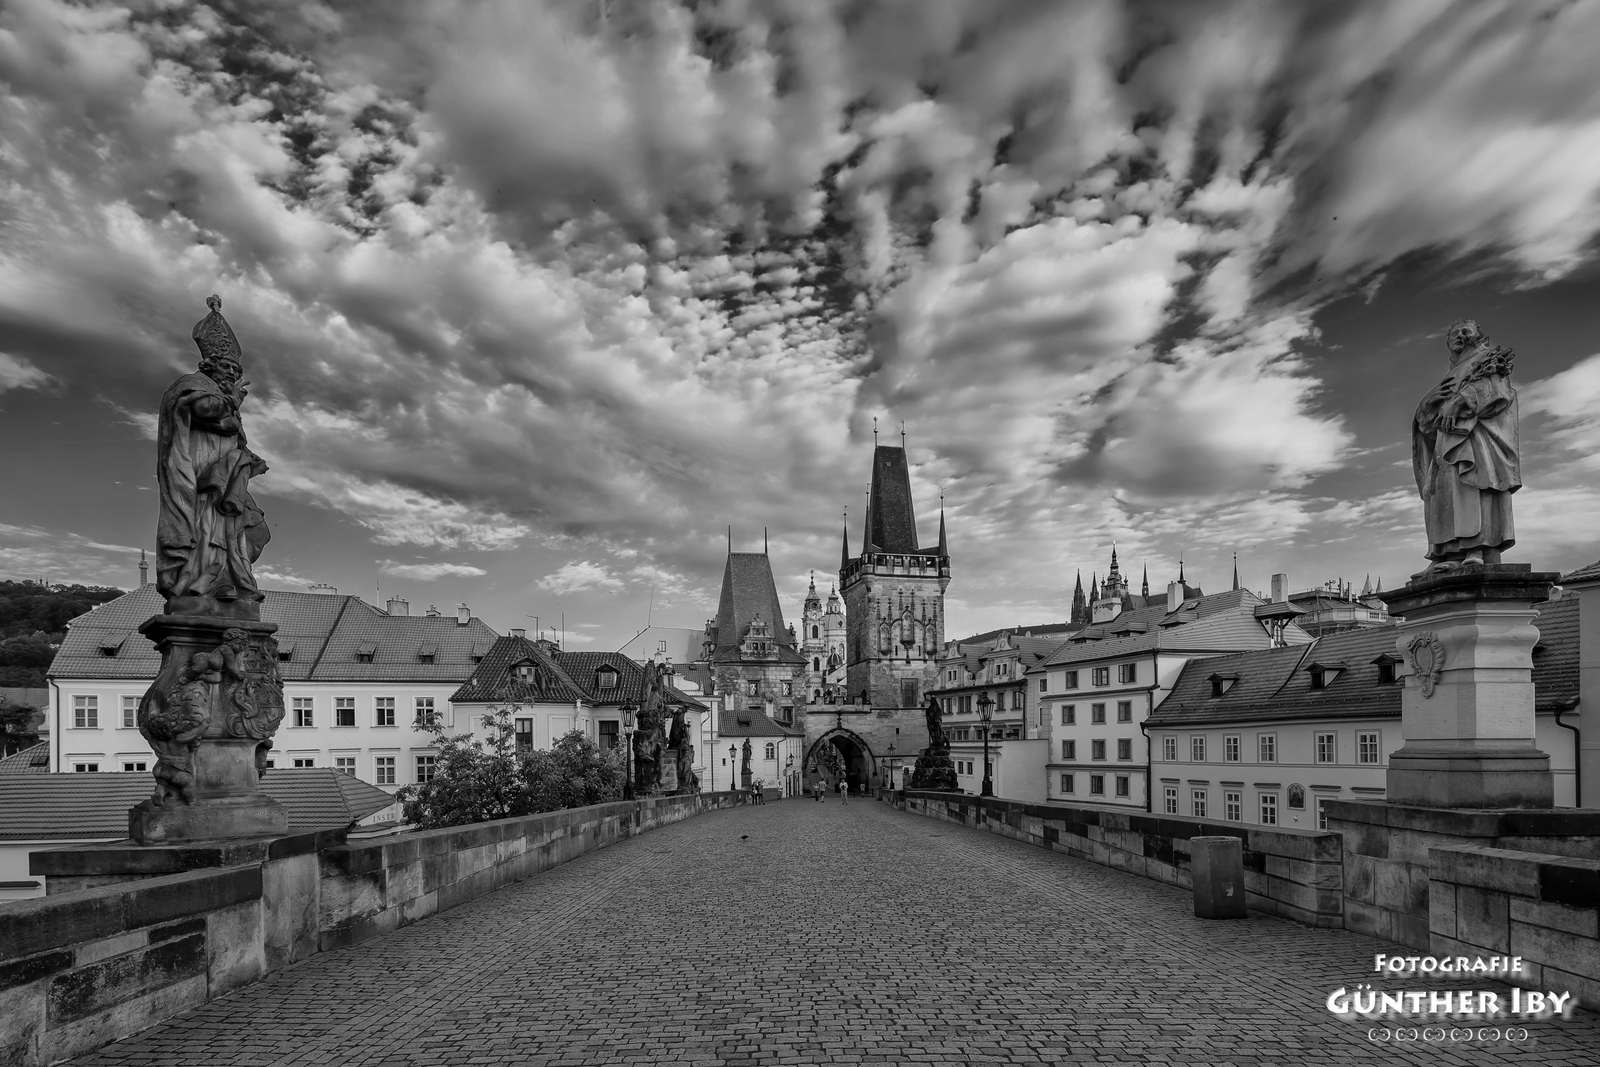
(87, 806)
(32, 760)
(567, 678)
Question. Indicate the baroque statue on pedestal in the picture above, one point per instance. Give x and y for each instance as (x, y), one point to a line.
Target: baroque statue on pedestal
(218, 698)
(934, 768)
(1464, 453)
(210, 531)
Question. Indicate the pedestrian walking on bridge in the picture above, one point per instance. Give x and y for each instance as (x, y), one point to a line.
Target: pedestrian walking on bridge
(844, 791)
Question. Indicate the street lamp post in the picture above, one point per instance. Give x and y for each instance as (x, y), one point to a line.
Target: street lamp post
(788, 776)
(627, 734)
(891, 765)
(986, 713)
(733, 772)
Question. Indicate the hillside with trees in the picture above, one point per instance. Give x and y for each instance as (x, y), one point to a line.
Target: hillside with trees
(33, 621)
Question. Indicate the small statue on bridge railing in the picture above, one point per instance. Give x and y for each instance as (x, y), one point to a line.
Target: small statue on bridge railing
(678, 742)
(650, 740)
(935, 769)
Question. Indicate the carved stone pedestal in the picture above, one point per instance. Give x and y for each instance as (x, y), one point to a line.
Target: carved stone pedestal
(1467, 712)
(210, 716)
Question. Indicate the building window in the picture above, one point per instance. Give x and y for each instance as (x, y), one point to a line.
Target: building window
(384, 765)
(788, 689)
(85, 768)
(1197, 803)
(1267, 748)
(1101, 676)
(1325, 750)
(1169, 801)
(1127, 673)
(1232, 807)
(813, 631)
(1097, 749)
(1097, 714)
(1069, 714)
(771, 751)
(1269, 809)
(1016, 700)
(344, 711)
(1230, 748)
(816, 663)
(1069, 680)
(1044, 684)
(304, 715)
(1124, 711)
(86, 712)
(305, 761)
(1122, 785)
(427, 766)
(1386, 672)
(1322, 813)
(524, 735)
(1169, 749)
(133, 765)
(1197, 748)
(1066, 783)
(1366, 748)
(605, 678)
(1097, 784)
(750, 688)
(610, 731)
(130, 712)
(424, 711)
(1125, 748)
(347, 764)
(384, 706)
(1069, 749)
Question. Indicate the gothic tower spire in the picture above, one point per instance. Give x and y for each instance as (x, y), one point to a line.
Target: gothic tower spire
(1144, 586)
(1236, 570)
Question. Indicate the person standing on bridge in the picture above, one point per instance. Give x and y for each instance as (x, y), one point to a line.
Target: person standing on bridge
(844, 791)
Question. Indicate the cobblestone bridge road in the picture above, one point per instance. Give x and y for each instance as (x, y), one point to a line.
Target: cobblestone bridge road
(805, 933)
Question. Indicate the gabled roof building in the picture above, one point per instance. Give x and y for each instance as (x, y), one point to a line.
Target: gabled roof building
(1267, 737)
(360, 682)
(750, 654)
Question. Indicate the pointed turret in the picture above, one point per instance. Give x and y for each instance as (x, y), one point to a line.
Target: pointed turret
(844, 551)
(891, 520)
(1080, 606)
(944, 545)
(1236, 570)
(1144, 585)
(1094, 587)
(1366, 589)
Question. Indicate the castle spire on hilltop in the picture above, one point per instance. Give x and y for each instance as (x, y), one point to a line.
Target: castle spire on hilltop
(1080, 606)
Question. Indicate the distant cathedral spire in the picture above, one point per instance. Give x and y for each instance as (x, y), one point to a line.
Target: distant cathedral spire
(1080, 607)
(1144, 586)
(844, 552)
(1094, 586)
(1236, 570)
(144, 569)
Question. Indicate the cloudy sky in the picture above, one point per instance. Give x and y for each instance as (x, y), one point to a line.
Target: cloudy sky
(538, 299)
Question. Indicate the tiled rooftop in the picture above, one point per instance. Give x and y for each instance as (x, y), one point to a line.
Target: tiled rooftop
(1276, 684)
(86, 806)
(560, 677)
(323, 634)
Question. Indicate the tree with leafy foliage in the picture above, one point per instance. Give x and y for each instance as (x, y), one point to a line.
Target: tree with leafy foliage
(33, 623)
(479, 779)
(19, 727)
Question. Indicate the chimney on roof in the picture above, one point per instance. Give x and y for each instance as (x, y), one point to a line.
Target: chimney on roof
(397, 606)
(1280, 588)
(324, 589)
(432, 612)
(463, 615)
(517, 631)
(1174, 596)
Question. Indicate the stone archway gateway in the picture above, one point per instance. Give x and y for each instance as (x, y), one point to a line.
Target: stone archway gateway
(860, 765)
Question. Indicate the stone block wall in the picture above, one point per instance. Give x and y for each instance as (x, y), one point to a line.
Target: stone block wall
(1387, 865)
(1296, 874)
(106, 958)
(1501, 902)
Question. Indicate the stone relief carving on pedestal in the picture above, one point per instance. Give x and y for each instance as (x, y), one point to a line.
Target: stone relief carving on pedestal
(1425, 655)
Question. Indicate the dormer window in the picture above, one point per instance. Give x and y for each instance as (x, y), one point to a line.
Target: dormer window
(365, 651)
(526, 673)
(110, 646)
(427, 651)
(1387, 672)
(1323, 674)
(286, 650)
(1221, 683)
(605, 677)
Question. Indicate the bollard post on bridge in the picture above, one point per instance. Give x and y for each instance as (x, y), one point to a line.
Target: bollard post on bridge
(1217, 864)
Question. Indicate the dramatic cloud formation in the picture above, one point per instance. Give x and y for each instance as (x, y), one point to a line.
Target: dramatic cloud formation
(428, 572)
(616, 274)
